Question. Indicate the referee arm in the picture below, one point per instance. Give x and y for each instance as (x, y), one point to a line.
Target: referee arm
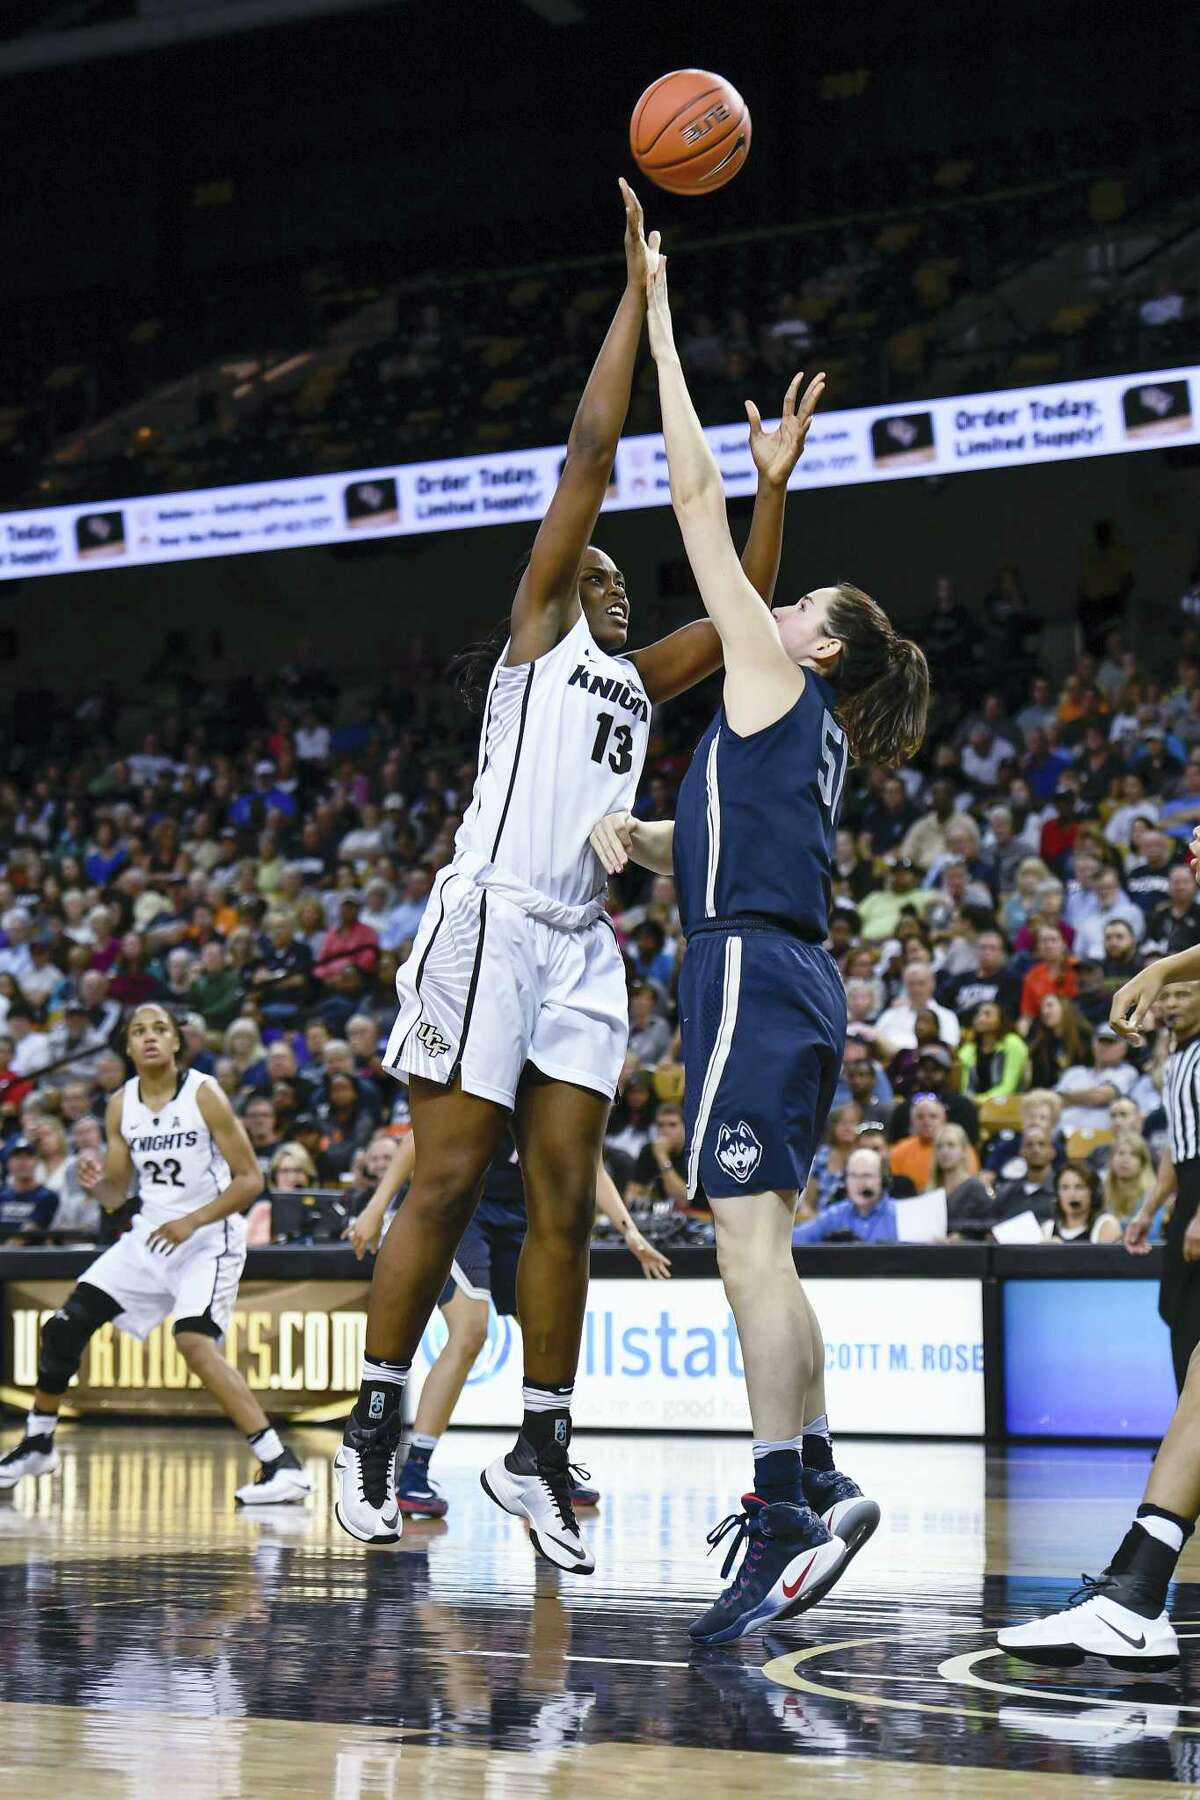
(1165, 1187)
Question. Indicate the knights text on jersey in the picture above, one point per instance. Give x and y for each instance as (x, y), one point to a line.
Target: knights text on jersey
(563, 743)
(179, 1166)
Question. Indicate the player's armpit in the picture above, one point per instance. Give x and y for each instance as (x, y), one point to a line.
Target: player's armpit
(677, 662)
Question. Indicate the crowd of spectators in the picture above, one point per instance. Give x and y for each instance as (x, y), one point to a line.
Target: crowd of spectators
(260, 864)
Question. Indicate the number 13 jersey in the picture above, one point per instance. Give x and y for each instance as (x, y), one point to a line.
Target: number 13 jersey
(563, 743)
(179, 1166)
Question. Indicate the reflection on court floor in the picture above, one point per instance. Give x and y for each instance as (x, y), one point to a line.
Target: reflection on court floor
(156, 1641)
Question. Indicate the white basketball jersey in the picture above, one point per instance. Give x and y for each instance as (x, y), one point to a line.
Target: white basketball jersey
(563, 743)
(179, 1166)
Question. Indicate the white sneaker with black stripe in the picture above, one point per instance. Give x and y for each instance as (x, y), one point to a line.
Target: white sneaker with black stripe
(32, 1456)
(536, 1486)
(365, 1472)
(278, 1483)
(1095, 1624)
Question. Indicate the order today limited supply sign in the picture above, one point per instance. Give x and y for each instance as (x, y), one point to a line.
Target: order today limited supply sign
(1052, 423)
(901, 1357)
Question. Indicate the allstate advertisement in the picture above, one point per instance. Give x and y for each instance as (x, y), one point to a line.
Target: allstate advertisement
(901, 1357)
(1086, 1359)
(1054, 422)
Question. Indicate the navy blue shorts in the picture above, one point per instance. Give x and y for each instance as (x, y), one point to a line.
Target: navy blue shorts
(485, 1263)
(764, 1020)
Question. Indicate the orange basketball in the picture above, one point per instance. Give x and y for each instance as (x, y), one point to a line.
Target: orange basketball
(690, 132)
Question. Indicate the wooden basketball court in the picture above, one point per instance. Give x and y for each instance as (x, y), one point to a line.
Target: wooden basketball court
(158, 1644)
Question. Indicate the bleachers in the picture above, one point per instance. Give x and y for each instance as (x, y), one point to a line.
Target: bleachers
(988, 274)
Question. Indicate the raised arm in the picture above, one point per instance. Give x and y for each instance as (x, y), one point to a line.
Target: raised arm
(679, 661)
(547, 602)
(761, 681)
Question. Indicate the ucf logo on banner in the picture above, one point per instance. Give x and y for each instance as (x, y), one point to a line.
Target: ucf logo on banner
(298, 1344)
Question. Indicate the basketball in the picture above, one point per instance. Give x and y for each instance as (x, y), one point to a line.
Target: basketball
(690, 132)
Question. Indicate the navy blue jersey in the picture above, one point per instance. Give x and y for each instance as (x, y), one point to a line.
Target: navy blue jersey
(757, 817)
(502, 1185)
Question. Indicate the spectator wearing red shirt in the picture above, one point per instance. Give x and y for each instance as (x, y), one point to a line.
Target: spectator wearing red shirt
(1053, 973)
(131, 983)
(1060, 832)
(13, 1087)
(350, 943)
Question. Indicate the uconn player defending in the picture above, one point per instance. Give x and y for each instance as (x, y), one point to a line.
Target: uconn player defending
(513, 1003)
(196, 1174)
(762, 1005)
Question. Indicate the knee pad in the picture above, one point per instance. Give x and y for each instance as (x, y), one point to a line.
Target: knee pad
(65, 1336)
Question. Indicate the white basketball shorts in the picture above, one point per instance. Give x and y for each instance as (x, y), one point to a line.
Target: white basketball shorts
(196, 1282)
(488, 987)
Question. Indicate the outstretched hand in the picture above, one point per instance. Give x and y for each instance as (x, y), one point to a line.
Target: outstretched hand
(658, 300)
(777, 452)
(636, 248)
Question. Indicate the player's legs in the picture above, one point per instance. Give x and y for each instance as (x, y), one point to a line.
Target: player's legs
(1121, 1615)
(774, 1320)
(457, 1135)
(466, 1325)
(204, 1358)
(204, 1276)
(762, 1016)
(64, 1338)
(466, 1317)
(559, 1128)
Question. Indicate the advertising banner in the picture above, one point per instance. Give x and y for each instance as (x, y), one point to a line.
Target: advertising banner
(901, 1357)
(1057, 421)
(1086, 1359)
(299, 1345)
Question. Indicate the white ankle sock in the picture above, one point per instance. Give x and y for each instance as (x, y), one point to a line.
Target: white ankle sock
(547, 1399)
(423, 1440)
(266, 1444)
(819, 1428)
(1167, 1533)
(40, 1424)
(764, 1446)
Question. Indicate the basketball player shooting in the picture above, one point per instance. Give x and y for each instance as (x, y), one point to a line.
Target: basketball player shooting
(513, 1002)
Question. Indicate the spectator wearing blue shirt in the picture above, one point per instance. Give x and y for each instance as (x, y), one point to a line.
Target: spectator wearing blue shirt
(863, 1080)
(107, 856)
(867, 1213)
(26, 1207)
(652, 957)
(1043, 766)
(1179, 817)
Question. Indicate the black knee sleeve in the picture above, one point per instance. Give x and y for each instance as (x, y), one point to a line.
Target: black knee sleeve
(65, 1336)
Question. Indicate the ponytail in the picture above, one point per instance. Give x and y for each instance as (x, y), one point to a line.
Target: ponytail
(881, 680)
(471, 670)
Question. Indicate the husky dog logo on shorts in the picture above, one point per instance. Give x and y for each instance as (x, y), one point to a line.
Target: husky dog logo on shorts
(431, 1037)
(738, 1150)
